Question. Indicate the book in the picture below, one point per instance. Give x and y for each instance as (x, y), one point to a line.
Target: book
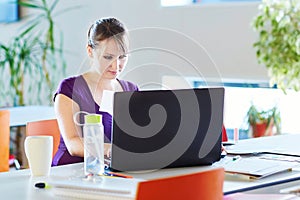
(256, 167)
(102, 188)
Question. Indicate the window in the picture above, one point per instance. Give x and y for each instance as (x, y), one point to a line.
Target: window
(240, 94)
(9, 11)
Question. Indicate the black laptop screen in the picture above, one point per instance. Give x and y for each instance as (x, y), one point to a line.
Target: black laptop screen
(166, 128)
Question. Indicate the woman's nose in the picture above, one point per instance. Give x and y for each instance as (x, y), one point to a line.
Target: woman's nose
(116, 64)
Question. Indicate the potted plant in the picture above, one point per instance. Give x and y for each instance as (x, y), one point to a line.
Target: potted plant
(33, 60)
(262, 122)
(278, 42)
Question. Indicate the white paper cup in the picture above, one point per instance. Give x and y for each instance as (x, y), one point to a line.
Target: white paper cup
(38, 150)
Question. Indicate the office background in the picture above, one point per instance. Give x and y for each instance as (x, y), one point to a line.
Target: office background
(222, 29)
(209, 41)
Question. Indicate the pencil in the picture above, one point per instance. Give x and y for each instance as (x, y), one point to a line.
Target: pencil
(119, 175)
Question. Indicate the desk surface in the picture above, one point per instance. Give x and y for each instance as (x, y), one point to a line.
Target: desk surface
(23, 183)
(282, 144)
(20, 185)
(20, 115)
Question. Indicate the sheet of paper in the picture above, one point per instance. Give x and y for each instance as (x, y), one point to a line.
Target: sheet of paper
(107, 101)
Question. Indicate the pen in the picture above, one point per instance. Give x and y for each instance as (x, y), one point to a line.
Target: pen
(42, 185)
(118, 174)
(235, 158)
(109, 175)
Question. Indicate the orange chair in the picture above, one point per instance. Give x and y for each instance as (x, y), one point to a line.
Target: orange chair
(205, 185)
(45, 127)
(4, 140)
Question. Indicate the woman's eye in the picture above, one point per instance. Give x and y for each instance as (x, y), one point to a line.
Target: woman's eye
(122, 56)
(108, 57)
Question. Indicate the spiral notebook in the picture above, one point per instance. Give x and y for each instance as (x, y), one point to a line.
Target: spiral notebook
(106, 189)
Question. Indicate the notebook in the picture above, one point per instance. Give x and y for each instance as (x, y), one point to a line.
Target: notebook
(166, 128)
(105, 188)
(256, 167)
(129, 189)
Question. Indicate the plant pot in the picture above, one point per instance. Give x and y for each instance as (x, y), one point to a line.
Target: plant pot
(261, 129)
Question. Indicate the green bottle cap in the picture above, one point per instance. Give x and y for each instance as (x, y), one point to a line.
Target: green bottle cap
(92, 119)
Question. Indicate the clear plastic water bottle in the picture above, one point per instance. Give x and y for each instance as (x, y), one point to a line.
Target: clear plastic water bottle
(93, 144)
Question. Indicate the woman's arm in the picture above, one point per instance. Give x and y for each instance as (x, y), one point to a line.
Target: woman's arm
(65, 108)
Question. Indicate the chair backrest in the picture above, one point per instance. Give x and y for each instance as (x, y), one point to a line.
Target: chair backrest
(45, 127)
(224, 134)
(205, 185)
(4, 140)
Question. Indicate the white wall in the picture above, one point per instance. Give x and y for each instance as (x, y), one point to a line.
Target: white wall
(181, 41)
(223, 30)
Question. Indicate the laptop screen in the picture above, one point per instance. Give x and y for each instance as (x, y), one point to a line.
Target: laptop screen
(166, 128)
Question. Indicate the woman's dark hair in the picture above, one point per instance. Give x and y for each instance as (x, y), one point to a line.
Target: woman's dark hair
(106, 28)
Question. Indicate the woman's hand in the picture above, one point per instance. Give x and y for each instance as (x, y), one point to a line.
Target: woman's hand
(107, 150)
(107, 153)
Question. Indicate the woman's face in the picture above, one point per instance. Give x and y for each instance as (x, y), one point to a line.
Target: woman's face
(108, 59)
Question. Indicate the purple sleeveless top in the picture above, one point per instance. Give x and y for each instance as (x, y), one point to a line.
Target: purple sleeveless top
(77, 89)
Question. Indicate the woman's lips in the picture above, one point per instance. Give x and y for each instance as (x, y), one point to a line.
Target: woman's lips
(113, 72)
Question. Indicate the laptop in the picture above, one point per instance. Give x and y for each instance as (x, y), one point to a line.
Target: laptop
(158, 129)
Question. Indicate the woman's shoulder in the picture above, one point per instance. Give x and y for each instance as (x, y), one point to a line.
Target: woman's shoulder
(71, 79)
(128, 86)
(68, 86)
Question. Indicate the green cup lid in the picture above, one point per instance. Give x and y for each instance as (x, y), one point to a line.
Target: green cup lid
(92, 119)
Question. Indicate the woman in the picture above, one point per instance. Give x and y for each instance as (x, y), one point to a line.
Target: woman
(107, 47)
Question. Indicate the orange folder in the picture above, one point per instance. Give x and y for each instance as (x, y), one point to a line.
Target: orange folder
(205, 185)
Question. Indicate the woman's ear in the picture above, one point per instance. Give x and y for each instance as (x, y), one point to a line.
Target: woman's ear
(89, 51)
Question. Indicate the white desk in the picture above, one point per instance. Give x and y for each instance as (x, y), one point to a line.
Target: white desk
(285, 144)
(20, 115)
(19, 184)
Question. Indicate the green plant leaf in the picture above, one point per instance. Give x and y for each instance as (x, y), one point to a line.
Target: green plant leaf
(29, 5)
(278, 44)
(32, 53)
